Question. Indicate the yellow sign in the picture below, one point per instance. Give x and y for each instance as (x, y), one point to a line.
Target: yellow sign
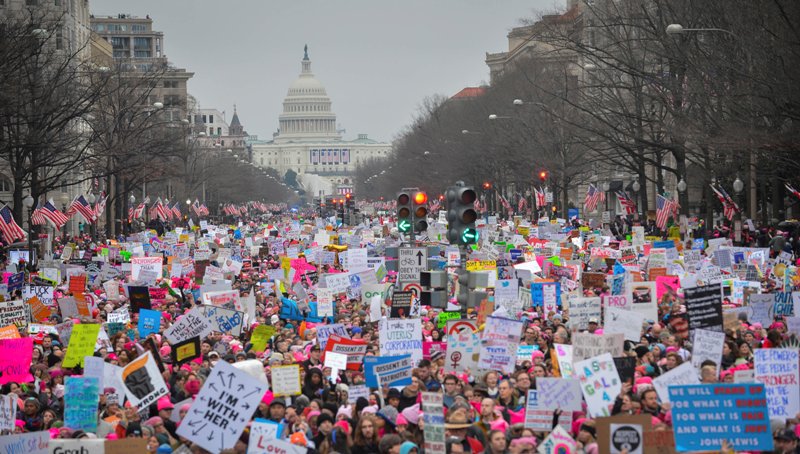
(261, 336)
(481, 265)
(81, 343)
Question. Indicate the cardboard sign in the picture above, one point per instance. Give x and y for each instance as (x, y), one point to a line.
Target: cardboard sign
(563, 393)
(462, 352)
(499, 343)
(619, 433)
(354, 349)
(224, 320)
(587, 345)
(433, 416)
(627, 323)
(705, 415)
(261, 335)
(600, 383)
(139, 264)
(704, 307)
(558, 442)
(13, 312)
(223, 408)
(286, 380)
(581, 310)
(685, 374)
(707, 345)
(539, 417)
(142, 381)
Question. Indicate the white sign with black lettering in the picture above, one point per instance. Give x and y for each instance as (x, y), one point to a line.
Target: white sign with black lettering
(223, 407)
(411, 262)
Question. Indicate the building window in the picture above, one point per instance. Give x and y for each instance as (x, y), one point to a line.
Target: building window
(170, 84)
(219, 132)
(5, 185)
(60, 38)
(138, 28)
(172, 101)
(204, 119)
(211, 119)
(210, 131)
(31, 2)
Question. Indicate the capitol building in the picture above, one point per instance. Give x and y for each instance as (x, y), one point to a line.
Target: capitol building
(309, 144)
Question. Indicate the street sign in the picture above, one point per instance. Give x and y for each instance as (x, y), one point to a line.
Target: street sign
(412, 261)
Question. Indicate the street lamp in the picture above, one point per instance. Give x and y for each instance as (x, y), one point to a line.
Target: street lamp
(677, 29)
(738, 185)
(64, 201)
(28, 203)
(636, 186)
(188, 201)
(682, 185)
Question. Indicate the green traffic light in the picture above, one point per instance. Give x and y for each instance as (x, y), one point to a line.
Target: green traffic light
(469, 236)
(404, 225)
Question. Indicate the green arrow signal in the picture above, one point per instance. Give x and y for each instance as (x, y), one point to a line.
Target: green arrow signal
(469, 236)
(404, 225)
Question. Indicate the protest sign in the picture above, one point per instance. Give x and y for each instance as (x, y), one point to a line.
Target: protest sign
(564, 357)
(81, 343)
(13, 312)
(39, 311)
(227, 299)
(623, 301)
(587, 345)
(433, 417)
(395, 363)
(546, 295)
(286, 380)
(704, 416)
(539, 417)
(563, 393)
(626, 368)
(142, 381)
(186, 350)
(265, 439)
(777, 369)
(81, 396)
(462, 352)
(558, 442)
(622, 433)
(139, 298)
(325, 302)
(112, 289)
(600, 383)
(324, 332)
(94, 366)
(120, 315)
(581, 310)
(9, 332)
(43, 292)
(8, 412)
(401, 337)
(499, 344)
(401, 304)
(707, 345)
(149, 322)
(223, 408)
(765, 307)
(644, 300)
(189, 325)
(396, 372)
(28, 443)
(704, 307)
(625, 322)
(139, 264)
(224, 320)
(685, 374)
(261, 335)
(354, 349)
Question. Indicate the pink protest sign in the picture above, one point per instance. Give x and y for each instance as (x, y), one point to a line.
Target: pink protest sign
(15, 360)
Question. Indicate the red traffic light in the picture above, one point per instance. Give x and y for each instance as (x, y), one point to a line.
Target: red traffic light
(420, 198)
(487, 185)
(543, 175)
(348, 196)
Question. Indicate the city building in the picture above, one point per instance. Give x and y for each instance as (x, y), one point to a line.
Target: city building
(139, 48)
(308, 144)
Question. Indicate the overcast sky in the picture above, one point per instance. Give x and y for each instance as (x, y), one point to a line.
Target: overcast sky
(378, 59)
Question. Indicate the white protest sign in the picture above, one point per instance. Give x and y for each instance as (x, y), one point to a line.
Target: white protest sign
(325, 302)
(563, 393)
(28, 443)
(564, 355)
(139, 264)
(558, 442)
(120, 315)
(401, 337)
(499, 344)
(707, 345)
(462, 352)
(539, 417)
(338, 282)
(264, 439)
(142, 381)
(8, 412)
(601, 383)
(189, 325)
(112, 289)
(94, 366)
(777, 368)
(581, 310)
(225, 404)
(627, 323)
(80, 446)
(286, 380)
(357, 260)
(324, 332)
(685, 374)
(587, 345)
(336, 361)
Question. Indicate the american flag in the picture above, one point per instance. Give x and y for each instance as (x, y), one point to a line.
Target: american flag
(592, 198)
(100, 206)
(49, 212)
(161, 211)
(139, 211)
(729, 207)
(541, 197)
(522, 205)
(196, 208)
(80, 205)
(664, 209)
(36, 216)
(176, 210)
(627, 203)
(11, 231)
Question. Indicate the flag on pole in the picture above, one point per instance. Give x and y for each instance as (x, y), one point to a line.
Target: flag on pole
(11, 231)
(49, 212)
(196, 207)
(100, 206)
(81, 206)
(592, 198)
(791, 189)
(36, 216)
(664, 209)
(626, 202)
(541, 197)
(139, 211)
(729, 208)
(176, 210)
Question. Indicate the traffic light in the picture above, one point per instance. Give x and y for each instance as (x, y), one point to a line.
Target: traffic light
(487, 186)
(461, 215)
(543, 176)
(350, 201)
(420, 211)
(468, 281)
(404, 217)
